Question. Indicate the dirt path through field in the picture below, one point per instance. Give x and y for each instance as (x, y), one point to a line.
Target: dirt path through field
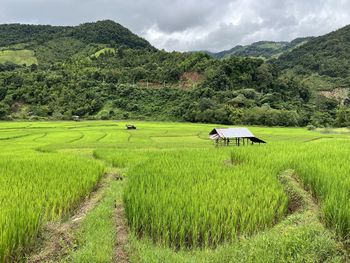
(300, 200)
(121, 255)
(57, 238)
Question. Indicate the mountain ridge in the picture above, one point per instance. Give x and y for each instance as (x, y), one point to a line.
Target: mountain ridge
(103, 32)
(103, 71)
(58, 43)
(264, 49)
(321, 51)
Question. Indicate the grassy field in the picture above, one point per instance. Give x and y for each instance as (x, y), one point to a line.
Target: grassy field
(104, 51)
(20, 57)
(185, 200)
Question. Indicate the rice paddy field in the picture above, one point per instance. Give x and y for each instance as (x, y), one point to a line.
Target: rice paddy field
(184, 200)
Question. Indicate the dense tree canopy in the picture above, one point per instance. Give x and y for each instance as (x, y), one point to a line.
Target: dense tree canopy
(328, 55)
(102, 70)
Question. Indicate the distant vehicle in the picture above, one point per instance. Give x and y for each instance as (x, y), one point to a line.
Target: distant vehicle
(75, 118)
(130, 127)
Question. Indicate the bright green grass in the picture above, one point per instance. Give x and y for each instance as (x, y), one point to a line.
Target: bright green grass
(20, 57)
(271, 45)
(97, 236)
(103, 51)
(167, 196)
(36, 188)
(289, 242)
(191, 198)
(181, 191)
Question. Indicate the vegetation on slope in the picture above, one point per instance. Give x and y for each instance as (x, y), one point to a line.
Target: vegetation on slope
(102, 70)
(262, 49)
(102, 32)
(19, 57)
(327, 55)
(149, 85)
(59, 43)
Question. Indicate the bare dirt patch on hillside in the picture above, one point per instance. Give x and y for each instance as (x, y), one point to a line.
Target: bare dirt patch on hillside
(190, 79)
(339, 94)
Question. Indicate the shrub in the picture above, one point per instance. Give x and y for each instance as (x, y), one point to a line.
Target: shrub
(311, 127)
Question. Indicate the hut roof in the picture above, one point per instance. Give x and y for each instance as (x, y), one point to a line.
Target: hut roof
(229, 133)
(232, 133)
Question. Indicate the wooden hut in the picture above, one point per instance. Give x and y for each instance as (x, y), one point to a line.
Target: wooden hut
(238, 136)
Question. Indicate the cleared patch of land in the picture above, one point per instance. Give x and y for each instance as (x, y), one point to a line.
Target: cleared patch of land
(104, 51)
(19, 57)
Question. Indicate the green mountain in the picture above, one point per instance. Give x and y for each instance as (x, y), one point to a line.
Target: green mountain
(103, 71)
(262, 49)
(324, 62)
(58, 43)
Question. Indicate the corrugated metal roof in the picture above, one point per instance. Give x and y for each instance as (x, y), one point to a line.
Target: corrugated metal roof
(233, 133)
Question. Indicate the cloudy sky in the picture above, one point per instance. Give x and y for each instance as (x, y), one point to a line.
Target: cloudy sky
(191, 24)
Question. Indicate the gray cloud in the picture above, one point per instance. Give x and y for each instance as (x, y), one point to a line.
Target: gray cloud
(192, 24)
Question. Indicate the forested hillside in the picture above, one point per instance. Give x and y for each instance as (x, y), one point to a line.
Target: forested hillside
(102, 32)
(324, 61)
(327, 55)
(59, 43)
(262, 49)
(103, 71)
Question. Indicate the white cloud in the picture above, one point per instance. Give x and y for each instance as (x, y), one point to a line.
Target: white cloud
(192, 24)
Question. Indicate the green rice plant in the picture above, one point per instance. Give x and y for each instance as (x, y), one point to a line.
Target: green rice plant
(37, 188)
(191, 198)
(181, 191)
(323, 170)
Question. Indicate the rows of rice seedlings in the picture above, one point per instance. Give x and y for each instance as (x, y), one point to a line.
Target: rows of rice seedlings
(59, 136)
(184, 197)
(189, 198)
(323, 169)
(35, 188)
(187, 140)
(196, 198)
(116, 136)
(10, 135)
(124, 158)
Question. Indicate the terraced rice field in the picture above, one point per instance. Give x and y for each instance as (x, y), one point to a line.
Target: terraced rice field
(184, 199)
